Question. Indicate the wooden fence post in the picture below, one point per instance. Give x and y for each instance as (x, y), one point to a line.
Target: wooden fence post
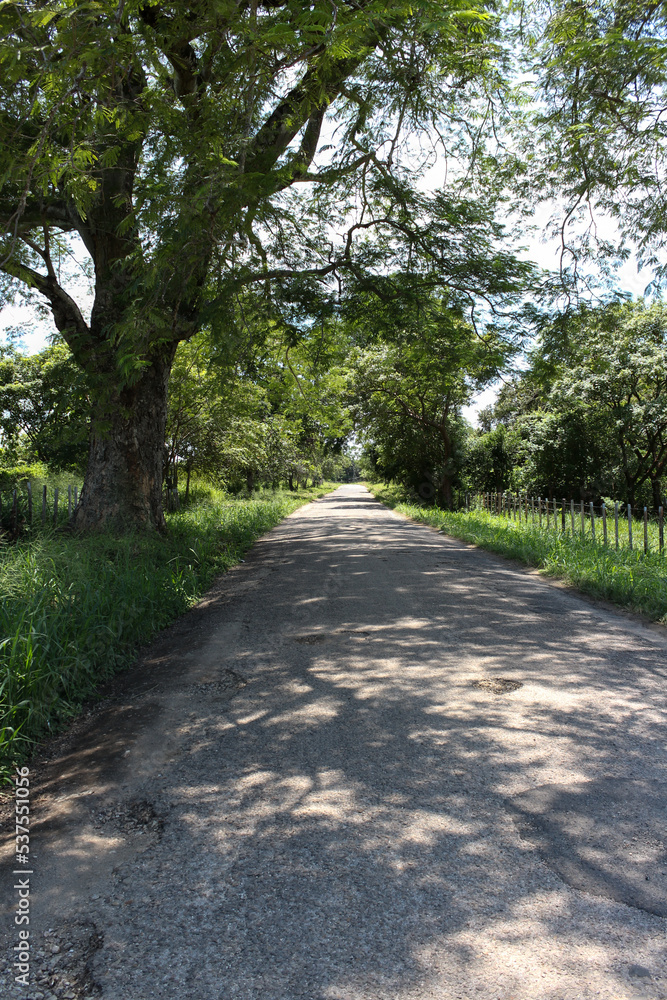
(645, 531)
(616, 523)
(604, 524)
(69, 502)
(76, 497)
(539, 507)
(592, 510)
(661, 533)
(55, 507)
(44, 505)
(30, 503)
(583, 521)
(630, 525)
(572, 516)
(562, 517)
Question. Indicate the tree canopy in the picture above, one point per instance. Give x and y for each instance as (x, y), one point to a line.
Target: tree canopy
(598, 137)
(246, 183)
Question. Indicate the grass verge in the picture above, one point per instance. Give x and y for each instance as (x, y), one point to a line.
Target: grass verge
(74, 610)
(629, 579)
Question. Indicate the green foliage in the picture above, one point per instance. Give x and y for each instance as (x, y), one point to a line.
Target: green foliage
(73, 611)
(420, 364)
(188, 147)
(271, 414)
(44, 407)
(183, 128)
(616, 366)
(491, 460)
(588, 418)
(599, 137)
(16, 476)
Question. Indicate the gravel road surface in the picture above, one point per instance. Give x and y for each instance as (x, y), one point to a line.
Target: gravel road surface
(375, 763)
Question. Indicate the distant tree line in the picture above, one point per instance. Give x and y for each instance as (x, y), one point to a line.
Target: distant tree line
(267, 419)
(586, 419)
(583, 416)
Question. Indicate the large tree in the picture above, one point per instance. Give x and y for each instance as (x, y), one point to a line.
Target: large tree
(195, 148)
(597, 135)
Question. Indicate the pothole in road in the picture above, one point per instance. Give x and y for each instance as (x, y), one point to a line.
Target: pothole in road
(62, 963)
(312, 638)
(497, 685)
(137, 816)
(228, 681)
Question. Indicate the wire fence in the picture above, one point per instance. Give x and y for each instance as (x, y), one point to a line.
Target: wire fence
(33, 505)
(620, 526)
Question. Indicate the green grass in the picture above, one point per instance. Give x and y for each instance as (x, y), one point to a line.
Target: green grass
(74, 610)
(627, 578)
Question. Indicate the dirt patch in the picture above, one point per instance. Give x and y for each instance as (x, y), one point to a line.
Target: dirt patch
(497, 685)
(138, 816)
(228, 682)
(61, 962)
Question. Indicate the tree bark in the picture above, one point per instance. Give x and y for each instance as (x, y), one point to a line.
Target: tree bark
(123, 482)
(657, 498)
(445, 491)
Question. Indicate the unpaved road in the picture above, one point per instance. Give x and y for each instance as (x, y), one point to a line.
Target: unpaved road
(301, 792)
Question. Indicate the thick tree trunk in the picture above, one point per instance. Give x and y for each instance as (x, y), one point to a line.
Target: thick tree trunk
(123, 484)
(445, 491)
(657, 498)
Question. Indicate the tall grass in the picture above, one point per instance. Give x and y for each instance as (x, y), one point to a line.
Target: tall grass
(74, 610)
(630, 579)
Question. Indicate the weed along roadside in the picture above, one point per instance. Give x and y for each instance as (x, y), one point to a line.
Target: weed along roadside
(74, 610)
(628, 577)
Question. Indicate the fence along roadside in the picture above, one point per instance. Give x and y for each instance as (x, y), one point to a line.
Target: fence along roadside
(535, 510)
(17, 506)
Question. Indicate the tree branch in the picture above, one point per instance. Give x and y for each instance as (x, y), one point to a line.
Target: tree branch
(66, 313)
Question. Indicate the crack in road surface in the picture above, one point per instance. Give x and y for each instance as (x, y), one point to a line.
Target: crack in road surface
(374, 762)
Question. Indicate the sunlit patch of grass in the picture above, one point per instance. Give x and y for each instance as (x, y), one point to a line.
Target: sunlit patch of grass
(74, 610)
(630, 579)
